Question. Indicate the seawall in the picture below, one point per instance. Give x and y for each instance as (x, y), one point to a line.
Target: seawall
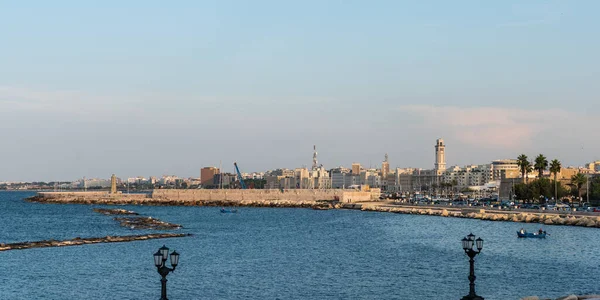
(200, 197)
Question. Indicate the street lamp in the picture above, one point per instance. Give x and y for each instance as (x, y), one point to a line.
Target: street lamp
(160, 259)
(467, 244)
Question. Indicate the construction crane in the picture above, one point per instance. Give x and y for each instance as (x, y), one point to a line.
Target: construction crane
(239, 175)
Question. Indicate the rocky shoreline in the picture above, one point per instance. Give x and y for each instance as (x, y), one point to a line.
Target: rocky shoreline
(489, 215)
(84, 241)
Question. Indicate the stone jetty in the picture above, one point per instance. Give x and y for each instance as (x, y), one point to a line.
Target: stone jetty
(107, 211)
(131, 220)
(85, 241)
(146, 223)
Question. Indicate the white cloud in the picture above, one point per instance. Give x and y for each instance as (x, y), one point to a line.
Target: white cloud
(506, 128)
(65, 101)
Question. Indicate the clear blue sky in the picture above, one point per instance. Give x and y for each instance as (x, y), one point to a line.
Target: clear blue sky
(91, 88)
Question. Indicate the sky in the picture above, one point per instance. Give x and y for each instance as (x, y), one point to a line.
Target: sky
(146, 88)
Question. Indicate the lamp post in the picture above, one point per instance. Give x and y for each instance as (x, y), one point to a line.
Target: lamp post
(467, 244)
(160, 259)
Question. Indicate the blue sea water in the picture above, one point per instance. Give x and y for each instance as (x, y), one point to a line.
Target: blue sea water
(279, 253)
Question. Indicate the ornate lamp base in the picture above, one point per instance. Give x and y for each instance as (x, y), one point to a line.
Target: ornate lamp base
(472, 298)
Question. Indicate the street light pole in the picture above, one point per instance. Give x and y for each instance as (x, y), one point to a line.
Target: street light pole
(160, 259)
(468, 243)
(587, 186)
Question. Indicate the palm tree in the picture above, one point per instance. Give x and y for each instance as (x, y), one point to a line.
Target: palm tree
(541, 164)
(528, 169)
(523, 164)
(555, 169)
(578, 180)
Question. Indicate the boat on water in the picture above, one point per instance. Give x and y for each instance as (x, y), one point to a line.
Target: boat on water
(320, 207)
(525, 234)
(228, 211)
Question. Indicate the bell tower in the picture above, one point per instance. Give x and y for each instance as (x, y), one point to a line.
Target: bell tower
(440, 155)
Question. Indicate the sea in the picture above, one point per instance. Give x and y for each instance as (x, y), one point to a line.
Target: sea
(288, 253)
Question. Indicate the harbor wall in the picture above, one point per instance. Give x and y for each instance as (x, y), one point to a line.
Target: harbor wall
(253, 197)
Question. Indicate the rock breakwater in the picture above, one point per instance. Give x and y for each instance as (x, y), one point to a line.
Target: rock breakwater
(85, 241)
(146, 223)
(131, 220)
(106, 211)
(490, 215)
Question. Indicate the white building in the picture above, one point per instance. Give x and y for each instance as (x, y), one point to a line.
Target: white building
(506, 166)
(469, 176)
(338, 177)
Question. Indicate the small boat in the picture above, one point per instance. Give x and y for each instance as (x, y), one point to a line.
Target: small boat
(228, 211)
(320, 207)
(531, 235)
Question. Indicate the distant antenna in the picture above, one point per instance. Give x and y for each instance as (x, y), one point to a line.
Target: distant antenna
(315, 162)
(220, 176)
(386, 158)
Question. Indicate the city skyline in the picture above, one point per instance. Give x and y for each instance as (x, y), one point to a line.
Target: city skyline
(377, 166)
(142, 88)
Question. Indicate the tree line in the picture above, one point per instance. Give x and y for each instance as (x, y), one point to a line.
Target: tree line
(542, 187)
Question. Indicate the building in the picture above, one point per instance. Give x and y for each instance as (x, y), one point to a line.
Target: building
(469, 176)
(356, 168)
(168, 180)
(302, 176)
(95, 183)
(254, 175)
(371, 178)
(338, 177)
(385, 167)
(505, 168)
(594, 166)
(207, 175)
(404, 180)
(280, 179)
(223, 180)
(425, 179)
(137, 180)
